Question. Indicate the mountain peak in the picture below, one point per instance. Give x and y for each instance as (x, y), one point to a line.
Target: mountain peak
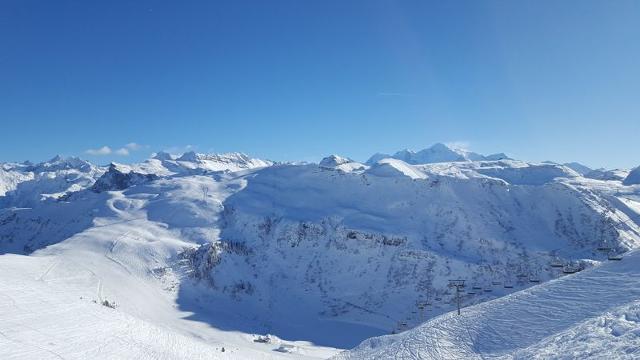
(633, 178)
(162, 155)
(437, 153)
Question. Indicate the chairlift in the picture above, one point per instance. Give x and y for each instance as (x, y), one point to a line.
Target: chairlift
(556, 263)
(603, 246)
(534, 280)
(471, 293)
(508, 286)
(614, 257)
(488, 290)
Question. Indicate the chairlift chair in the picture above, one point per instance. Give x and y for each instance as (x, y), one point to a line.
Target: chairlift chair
(603, 246)
(556, 263)
(614, 257)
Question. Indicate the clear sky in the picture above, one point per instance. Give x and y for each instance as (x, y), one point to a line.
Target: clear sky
(297, 80)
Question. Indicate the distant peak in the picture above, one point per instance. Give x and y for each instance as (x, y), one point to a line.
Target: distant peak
(633, 178)
(438, 152)
(332, 161)
(189, 156)
(162, 155)
(56, 158)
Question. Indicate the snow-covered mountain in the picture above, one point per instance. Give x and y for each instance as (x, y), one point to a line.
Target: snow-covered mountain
(579, 168)
(633, 178)
(223, 248)
(436, 154)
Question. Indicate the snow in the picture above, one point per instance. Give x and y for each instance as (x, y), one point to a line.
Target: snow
(610, 175)
(218, 162)
(437, 153)
(335, 162)
(129, 255)
(395, 168)
(633, 178)
(592, 314)
(579, 168)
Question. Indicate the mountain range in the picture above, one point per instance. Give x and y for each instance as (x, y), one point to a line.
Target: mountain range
(184, 256)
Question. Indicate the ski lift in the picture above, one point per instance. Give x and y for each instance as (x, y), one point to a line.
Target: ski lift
(508, 286)
(614, 257)
(603, 246)
(488, 290)
(556, 263)
(471, 293)
(534, 280)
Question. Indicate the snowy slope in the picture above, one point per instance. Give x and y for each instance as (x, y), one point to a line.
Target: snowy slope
(49, 180)
(633, 178)
(126, 252)
(579, 168)
(10, 177)
(592, 314)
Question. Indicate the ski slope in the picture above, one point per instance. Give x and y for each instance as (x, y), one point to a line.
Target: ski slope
(123, 247)
(591, 314)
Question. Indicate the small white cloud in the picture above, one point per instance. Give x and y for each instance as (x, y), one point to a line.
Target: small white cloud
(122, 152)
(105, 150)
(133, 146)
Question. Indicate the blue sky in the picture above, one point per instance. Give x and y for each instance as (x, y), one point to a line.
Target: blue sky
(296, 80)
